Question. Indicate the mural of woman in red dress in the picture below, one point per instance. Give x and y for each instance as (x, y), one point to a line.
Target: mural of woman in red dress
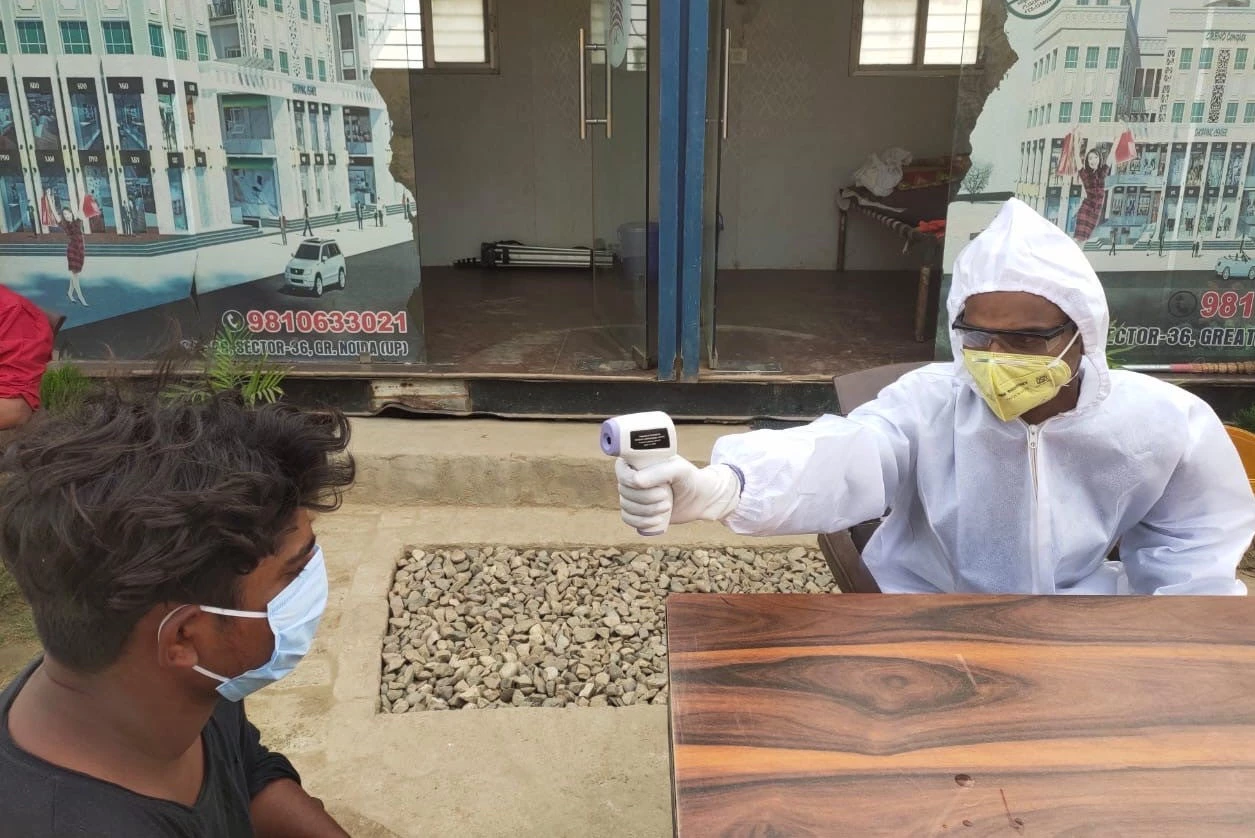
(75, 253)
(1093, 176)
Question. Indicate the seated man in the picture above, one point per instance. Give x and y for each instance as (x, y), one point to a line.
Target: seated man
(168, 555)
(25, 350)
(1015, 469)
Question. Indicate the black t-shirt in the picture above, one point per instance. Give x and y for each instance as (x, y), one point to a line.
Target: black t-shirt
(42, 800)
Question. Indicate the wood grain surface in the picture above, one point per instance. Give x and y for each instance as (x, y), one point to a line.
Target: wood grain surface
(817, 715)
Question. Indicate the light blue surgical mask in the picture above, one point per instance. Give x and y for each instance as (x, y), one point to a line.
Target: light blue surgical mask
(293, 614)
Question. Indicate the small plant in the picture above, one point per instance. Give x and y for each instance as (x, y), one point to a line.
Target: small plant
(1245, 419)
(63, 388)
(228, 369)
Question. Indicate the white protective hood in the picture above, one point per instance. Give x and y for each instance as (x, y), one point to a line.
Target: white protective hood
(1021, 251)
(985, 506)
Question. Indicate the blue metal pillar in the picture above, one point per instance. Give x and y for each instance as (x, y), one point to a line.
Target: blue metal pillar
(697, 29)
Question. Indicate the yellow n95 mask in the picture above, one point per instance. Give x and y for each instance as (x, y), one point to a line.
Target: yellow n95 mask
(1012, 385)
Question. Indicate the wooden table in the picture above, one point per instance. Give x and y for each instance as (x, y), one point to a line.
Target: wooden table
(956, 715)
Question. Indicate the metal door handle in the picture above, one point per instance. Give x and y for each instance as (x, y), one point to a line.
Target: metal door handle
(609, 88)
(583, 90)
(585, 121)
(727, 68)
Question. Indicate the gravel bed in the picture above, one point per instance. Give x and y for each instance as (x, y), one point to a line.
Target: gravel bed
(504, 627)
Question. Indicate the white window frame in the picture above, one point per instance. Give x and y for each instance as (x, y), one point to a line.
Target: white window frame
(433, 67)
(916, 67)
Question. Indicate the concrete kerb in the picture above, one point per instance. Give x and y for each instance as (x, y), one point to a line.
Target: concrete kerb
(363, 620)
(363, 623)
(489, 463)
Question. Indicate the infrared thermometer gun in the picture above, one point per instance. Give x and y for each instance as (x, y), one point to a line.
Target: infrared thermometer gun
(641, 439)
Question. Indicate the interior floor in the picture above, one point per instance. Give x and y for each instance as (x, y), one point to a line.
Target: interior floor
(519, 321)
(795, 322)
(789, 323)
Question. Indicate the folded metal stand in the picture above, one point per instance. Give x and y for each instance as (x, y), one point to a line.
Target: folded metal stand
(511, 254)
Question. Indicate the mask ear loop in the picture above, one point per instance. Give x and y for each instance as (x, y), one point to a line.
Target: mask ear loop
(162, 625)
(166, 619)
(1059, 358)
(226, 612)
(254, 615)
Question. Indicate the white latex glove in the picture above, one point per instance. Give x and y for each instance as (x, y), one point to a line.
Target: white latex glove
(675, 492)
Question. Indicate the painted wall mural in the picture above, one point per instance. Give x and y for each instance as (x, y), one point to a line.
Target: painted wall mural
(220, 188)
(1134, 131)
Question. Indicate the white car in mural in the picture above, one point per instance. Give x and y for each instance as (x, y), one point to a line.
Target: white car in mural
(316, 265)
(1238, 264)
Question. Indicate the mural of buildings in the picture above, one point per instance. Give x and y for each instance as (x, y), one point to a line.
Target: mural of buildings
(183, 117)
(1176, 81)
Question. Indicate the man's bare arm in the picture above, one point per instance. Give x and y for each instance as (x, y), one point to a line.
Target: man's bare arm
(285, 810)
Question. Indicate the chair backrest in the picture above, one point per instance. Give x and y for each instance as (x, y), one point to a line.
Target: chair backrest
(846, 564)
(857, 388)
(1244, 441)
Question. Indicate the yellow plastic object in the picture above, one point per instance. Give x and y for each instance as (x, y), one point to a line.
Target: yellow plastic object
(1244, 441)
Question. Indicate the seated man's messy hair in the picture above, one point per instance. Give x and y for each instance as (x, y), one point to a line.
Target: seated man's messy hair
(127, 503)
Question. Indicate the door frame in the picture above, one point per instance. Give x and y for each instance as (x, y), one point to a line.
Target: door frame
(671, 84)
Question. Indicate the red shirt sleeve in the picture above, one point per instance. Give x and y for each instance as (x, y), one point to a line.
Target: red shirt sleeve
(25, 347)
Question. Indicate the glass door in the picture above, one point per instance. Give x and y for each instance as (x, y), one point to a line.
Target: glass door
(615, 90)
(717, 68)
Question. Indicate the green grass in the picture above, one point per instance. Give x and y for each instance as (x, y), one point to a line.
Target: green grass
(63, 388)
(18, 642)
(8, 588)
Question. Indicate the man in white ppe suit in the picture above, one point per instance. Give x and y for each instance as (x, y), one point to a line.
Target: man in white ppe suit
(1016, 469)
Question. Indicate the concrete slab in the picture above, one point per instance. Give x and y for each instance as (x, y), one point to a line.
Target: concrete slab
(542, 772)
(558, 772)
(494, 463)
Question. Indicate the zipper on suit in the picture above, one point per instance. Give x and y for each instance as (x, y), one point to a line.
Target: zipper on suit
(1034, 442)
(1033, 433)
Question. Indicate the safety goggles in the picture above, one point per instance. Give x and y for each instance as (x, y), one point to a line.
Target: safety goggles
(1018, 341)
